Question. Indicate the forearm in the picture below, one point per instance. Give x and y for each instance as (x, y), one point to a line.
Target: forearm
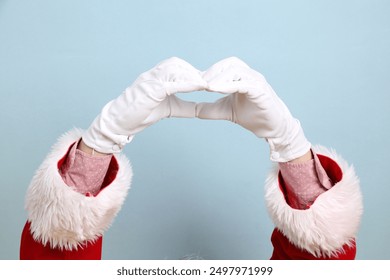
(60, 218)
(319, 222)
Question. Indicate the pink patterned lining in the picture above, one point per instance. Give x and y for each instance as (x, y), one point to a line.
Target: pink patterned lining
(83, 172)
(304, 182)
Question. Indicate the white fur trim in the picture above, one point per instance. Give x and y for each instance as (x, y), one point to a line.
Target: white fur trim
(63, 217)
(333, 219)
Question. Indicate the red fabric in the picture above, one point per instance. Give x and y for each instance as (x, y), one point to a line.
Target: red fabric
(284, 249)
(31, 249)
(34, 250)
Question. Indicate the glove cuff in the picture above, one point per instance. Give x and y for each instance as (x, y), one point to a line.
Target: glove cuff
(291, 146)
(102, 139)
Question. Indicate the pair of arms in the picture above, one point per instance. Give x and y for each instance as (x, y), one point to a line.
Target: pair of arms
(315, 218)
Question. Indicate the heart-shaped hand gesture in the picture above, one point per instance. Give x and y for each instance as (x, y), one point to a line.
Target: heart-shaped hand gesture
(250, 102)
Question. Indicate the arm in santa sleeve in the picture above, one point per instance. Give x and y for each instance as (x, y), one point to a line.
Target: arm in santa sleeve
(316, 207)
(321, 226)
(72, 200)
(67, 217)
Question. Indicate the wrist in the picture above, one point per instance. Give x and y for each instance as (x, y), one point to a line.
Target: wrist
(306, 157)
(88, 150)
(292, 147)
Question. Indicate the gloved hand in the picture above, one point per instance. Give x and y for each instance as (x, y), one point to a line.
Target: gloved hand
(149, 99)
(252, 103)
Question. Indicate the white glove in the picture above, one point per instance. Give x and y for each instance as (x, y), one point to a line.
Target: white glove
(149, 99)
(252, 103)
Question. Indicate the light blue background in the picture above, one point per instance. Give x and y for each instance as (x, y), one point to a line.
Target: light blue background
(198, 185)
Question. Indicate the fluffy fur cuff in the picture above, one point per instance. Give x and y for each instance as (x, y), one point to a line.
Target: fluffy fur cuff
(333, 219)
(64, 218)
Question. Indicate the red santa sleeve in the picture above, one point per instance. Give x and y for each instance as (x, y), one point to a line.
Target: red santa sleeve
(62, 218)
(317, 216)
